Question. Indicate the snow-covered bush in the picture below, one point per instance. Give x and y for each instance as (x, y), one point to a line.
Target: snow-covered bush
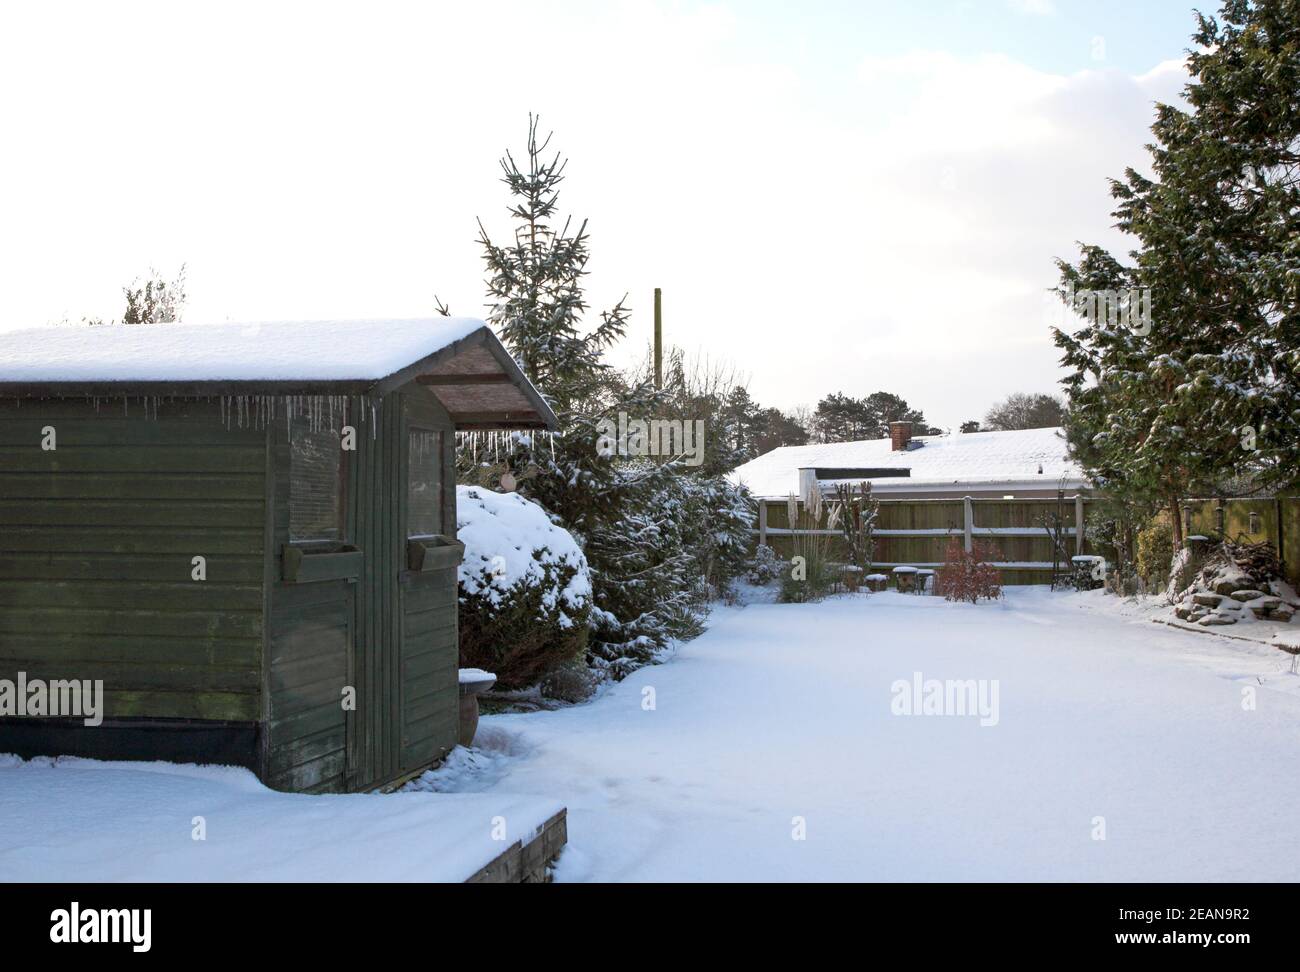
(967, 575)
(765, 566)
(679, 539)
(525, 588)
(718, 529)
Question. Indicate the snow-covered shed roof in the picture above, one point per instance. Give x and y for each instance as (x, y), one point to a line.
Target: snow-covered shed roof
(978, 460)
(459, 359)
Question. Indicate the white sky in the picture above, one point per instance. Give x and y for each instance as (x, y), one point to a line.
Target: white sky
(828, 204)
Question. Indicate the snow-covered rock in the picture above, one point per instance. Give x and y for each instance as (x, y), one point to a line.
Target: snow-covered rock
(1233, 583)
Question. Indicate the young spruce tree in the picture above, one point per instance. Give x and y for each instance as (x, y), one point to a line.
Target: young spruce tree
(639, 520)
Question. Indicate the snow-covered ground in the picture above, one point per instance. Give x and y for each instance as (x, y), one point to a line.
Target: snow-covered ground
(1278, 634)
(83, 820)
(1182, 749)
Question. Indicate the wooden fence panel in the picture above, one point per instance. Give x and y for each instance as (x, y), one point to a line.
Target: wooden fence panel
(921, 515)
(916, 532)
(1276, 519)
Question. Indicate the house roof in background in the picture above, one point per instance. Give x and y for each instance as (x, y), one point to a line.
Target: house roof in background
(459, 359)
(976, 459)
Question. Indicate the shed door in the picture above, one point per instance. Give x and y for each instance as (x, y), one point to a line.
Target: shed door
(427, 593)
(427, 588)
(406, 647)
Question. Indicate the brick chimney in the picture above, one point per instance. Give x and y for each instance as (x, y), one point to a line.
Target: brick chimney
(900, 434)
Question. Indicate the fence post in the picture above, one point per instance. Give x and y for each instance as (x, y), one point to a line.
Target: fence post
(1078, 523)
(1281, 533)
(968, 513)
(762, 523)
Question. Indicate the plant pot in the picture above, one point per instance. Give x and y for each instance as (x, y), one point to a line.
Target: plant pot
(473, 682)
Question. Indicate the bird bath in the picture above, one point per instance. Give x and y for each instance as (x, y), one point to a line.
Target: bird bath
(473, 682)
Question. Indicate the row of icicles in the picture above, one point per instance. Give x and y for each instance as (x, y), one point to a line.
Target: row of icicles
(253, 411)
(500, 444)
(322, 412)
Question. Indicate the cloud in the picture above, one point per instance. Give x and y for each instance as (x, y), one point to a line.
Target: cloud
(993, 169)
(891, 227)
(1036, 8)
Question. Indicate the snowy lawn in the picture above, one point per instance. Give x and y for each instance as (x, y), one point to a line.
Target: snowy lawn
(781, 712)
(83, 820)
(778, 712)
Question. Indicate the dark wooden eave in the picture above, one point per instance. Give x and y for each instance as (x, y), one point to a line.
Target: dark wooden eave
(479, 384)
(486, 379)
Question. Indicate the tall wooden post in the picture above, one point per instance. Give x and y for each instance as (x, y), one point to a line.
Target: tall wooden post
(1078, 523)
(659, 338)
(968, 512)
(762, 523)
(1281, 531)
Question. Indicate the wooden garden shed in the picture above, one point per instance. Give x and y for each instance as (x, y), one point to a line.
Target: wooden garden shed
(247, 531)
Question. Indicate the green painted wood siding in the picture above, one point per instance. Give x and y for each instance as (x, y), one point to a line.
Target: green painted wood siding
(309, 653)
(390, 633)
(372, 750)
(309, 648)
(97, 538)
(430, 652)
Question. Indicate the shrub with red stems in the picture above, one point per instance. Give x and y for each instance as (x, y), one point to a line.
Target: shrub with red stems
(968, 575)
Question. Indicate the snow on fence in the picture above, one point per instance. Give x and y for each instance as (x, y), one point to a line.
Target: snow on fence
(916, 532)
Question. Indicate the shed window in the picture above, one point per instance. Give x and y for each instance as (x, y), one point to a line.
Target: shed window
(424, 483)
(315, 482)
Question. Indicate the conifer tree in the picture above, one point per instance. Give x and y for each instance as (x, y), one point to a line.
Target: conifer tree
(535, 284)
(1208, 389)
(655, 532)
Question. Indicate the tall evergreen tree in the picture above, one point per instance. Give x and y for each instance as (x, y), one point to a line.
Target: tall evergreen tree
(739, 414)
(840, 418)
(535, 284)
(886, 407)
(655, 531)
(774, 428)
(1209, 388)
(1229, 176)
